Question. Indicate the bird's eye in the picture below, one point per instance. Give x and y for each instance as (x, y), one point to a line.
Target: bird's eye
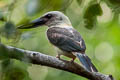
(49, 16)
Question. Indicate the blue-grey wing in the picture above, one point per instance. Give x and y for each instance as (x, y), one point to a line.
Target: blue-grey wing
(65, 40)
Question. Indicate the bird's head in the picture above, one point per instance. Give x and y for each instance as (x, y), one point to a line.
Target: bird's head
(52, 18)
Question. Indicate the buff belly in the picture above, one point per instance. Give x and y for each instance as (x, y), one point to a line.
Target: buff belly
(68, 54)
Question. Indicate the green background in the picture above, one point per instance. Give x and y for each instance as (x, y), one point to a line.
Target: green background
(98, 22)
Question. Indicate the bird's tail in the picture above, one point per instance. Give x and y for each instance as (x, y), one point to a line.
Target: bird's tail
(86, 62)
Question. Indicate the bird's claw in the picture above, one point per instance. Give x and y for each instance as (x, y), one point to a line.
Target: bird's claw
(58, 56)
(72, 61)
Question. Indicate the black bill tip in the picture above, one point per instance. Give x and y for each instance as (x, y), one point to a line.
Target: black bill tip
(26, 26)
(33, 24)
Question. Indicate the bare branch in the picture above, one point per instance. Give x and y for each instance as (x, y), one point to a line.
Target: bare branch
(46, 60)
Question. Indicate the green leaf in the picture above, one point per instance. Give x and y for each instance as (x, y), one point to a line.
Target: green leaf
(90, 23)
(91, 13)
(93, 10)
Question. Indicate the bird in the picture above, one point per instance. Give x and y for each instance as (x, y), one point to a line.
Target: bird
(64, 37)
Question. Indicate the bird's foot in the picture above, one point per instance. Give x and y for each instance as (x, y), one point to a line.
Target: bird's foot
(58, 56)
(72, 61)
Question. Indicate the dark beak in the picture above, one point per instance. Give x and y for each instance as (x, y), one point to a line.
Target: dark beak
(35, 23)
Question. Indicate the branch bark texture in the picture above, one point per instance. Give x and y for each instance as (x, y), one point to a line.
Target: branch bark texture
(50, 61)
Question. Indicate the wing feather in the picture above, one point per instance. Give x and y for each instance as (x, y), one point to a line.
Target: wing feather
(66, 40)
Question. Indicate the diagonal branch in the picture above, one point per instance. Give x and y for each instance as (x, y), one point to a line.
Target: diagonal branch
(50, 61)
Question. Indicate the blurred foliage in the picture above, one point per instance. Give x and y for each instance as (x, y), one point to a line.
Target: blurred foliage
(12, 70)
(114, 5)
(1, 17)
(92, 11)
(79, 2)
(36, 6)
(8, 30)
(98, 21)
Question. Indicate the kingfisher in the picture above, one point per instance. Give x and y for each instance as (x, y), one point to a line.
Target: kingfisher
(66, 40)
